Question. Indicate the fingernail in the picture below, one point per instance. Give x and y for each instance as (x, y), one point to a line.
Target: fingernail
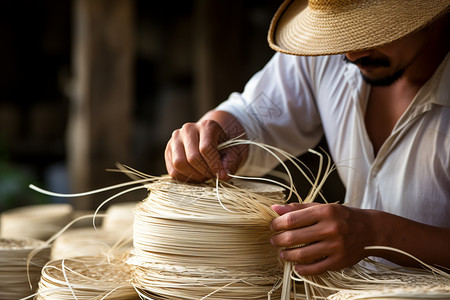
(281, 255)
(271, 241)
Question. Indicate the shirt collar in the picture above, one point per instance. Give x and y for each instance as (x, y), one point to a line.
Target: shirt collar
(441, 79)
(437, 87)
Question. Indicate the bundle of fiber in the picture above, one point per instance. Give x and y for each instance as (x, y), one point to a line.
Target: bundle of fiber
(14, 265)
(416, 285)
(372, 279)
(35, 221)
(90, 242)
(206, 240)
(119, 218)
(86, 278)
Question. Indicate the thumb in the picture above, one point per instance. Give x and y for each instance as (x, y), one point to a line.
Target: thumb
(283, 209)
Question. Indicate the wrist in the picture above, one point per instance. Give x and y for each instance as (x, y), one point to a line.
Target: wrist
(394, 232)
(380, 230)
(229, 123)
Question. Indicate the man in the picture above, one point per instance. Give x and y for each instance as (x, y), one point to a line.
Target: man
(373, 76)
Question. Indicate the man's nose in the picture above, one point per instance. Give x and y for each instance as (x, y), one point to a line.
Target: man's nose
(353, 56)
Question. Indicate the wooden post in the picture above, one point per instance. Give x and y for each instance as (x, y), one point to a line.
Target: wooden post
(218, 52)
(100, 117)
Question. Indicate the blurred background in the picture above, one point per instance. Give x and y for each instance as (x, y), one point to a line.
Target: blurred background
(85, 84)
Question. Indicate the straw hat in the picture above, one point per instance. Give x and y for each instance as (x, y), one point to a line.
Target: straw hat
(323, 27)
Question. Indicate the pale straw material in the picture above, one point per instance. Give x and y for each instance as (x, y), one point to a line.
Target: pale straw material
(387, 282)
(417, 285)
(119, 217)
(14, 265)
(91, 242)
(86, 278)
(211, 241)
(35, 221)
(323, 27)
(194, 241)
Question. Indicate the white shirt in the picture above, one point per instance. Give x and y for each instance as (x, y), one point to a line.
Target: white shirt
(294, 100)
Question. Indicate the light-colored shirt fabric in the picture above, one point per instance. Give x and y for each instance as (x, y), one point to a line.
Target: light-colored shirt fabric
(294, 100)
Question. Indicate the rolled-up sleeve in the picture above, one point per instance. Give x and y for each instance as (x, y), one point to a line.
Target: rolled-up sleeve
(277, 107)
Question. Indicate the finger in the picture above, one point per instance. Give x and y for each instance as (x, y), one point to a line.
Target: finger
(190, 141)
(208, 146)
(304, 216)
(282, 209)
(172, 171)
(306, 254)
(295, 237)
(315, 268)
(177, 164)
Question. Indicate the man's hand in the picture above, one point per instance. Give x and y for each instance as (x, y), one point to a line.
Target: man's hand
(334, 236)
(321, 237)
(192, 153)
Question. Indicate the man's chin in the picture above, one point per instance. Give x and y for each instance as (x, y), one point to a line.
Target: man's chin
(382, 80)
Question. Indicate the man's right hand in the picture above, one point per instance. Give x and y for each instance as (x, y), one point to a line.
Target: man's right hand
(192, 152)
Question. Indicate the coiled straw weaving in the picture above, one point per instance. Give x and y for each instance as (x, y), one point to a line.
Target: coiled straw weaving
(86, 278)
(401, 286)
(14, 279)
(201, 241)
(376, 280)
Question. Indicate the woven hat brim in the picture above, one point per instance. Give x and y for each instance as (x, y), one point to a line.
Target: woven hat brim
(357, 25)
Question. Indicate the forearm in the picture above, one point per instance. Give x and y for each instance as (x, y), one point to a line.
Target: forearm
(427, 243)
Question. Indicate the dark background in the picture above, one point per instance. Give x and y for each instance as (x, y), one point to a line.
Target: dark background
(36, 69)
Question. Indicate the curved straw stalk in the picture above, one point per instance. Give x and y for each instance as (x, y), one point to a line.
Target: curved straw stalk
(281, 156)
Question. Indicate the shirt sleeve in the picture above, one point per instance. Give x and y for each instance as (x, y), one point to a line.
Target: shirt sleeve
(277, 107)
